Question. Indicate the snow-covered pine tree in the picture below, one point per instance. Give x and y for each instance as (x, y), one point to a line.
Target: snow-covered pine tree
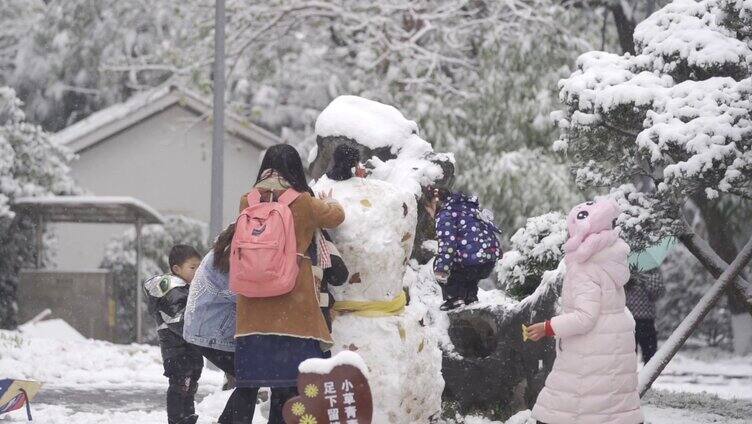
(30, 165)
(669, 125)
(535, 249)
(120, 259)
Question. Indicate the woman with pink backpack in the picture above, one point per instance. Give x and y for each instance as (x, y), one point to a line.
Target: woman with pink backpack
(594, 377)
(279, 321)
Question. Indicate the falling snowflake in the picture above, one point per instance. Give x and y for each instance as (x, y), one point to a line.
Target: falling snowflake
(298, 409)
(311, 391)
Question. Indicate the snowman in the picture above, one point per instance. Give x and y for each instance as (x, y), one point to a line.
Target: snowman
(372, 315)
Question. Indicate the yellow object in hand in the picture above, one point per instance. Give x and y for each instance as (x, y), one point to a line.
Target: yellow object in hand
(525, 334)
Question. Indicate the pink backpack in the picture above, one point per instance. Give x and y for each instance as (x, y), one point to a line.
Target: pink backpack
(263, 255)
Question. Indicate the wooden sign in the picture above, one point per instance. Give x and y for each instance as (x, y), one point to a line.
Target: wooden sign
(15, 394)
(332, 391)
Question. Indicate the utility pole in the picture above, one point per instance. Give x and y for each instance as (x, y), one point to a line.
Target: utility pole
(139, 288)
(217, 169)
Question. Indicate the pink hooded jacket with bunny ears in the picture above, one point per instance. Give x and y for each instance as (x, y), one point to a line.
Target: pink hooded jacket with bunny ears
(594, 378)
(586, 220)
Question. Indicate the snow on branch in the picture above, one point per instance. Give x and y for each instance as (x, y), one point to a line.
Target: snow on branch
(670, 122)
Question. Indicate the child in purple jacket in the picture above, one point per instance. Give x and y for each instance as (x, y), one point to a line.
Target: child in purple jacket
(468, 246)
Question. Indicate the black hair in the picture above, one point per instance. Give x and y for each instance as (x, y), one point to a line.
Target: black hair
(345, 158)
(222, 249)
(181, 253)
(284, 159)
(440, 193)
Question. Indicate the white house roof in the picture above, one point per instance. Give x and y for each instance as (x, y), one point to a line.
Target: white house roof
(89, 209)
(106, 122)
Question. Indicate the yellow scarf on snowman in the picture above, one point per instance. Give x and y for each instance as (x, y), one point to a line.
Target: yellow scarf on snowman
(383, 308)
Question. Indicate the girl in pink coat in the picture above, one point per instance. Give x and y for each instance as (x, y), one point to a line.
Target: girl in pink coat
(594, 378)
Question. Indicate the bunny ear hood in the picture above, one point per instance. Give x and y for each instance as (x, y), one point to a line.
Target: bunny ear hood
(591, 229)
(592, 245)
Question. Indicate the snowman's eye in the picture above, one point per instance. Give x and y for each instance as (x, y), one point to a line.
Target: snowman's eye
(590, 203)
(582, 215)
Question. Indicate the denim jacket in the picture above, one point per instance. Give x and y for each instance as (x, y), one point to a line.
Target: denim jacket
(210, 311)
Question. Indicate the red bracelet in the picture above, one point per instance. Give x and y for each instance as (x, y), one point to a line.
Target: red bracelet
(549, 329)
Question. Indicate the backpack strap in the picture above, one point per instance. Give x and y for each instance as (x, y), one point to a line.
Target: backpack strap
(288, 197)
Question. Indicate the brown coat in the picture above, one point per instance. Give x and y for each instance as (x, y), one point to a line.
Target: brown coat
(297, 313)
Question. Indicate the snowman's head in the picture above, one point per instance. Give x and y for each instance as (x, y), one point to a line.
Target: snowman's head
(345, 158)
(590, 218)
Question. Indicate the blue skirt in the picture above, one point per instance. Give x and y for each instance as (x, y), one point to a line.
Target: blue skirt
(272, 361)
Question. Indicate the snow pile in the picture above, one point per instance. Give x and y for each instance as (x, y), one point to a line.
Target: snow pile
(212, 405)
(208, 410)
(325, 366)
(376, 126)
(84, 363)
(58, 414)
(56, 329)
(354, 117)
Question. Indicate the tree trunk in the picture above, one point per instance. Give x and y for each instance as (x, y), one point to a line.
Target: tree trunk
(721, 240)
(653, 369)
(716, 266)
(625, 27)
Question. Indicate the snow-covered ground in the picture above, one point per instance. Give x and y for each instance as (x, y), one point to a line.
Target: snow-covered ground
(88, 381)
(709, 370)
(92, 382)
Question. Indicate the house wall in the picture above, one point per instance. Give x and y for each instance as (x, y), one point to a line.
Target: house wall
(164, 161)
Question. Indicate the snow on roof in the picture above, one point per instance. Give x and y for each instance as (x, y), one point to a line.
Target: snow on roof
(105, 116)
(325, 366)
(368, 122)
(100, 209)
(101, 124)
